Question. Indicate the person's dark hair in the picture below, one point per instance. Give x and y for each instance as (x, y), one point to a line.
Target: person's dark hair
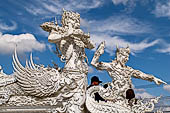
(95, 79)
(130, 94)
(105, 86)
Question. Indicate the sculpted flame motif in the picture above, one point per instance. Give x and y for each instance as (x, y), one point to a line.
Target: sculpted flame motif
(65, 89)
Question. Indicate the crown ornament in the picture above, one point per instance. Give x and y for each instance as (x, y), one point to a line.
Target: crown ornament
(123, 51)
(69, 15)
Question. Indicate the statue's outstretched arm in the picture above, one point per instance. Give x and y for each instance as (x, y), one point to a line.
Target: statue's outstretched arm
(148, 77)
(97, 54)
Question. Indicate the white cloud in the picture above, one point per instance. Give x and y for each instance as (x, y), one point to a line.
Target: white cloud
(35, 11)
(84, 23)
(140, 90)
(164, 50)
(166, 109)
(25, 43)
(162, 9)
(36, 58)
(4, 26)
(52, 8)
(42, 32)
(55, 6)
(165, 47)
(129, 5)
(143, 95)
(51, 47)
(166, 87)
(119, 25)
(104, 30)
(116, 2)
(111, 43)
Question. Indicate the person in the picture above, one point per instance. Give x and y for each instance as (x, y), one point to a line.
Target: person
(118, 70)
(95, 82)
(130, 95)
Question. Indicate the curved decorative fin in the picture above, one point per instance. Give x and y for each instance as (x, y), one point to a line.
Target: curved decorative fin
(36, 81)
(32, 63)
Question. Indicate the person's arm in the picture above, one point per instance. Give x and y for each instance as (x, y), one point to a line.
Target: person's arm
(95, 63)
(148, 77)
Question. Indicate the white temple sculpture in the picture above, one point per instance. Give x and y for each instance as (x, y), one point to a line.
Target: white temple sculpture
(35, 85)
(64, 90)
(115, 93)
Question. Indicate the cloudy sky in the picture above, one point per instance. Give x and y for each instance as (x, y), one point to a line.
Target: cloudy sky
(141, 24)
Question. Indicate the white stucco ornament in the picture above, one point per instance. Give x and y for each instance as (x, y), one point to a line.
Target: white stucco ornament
(115, 94)
(65, 90)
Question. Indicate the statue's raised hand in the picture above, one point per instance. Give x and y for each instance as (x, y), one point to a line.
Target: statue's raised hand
(100, 49)
(159, 81)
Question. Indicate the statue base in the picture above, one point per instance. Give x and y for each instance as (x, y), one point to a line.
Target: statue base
(27, 109)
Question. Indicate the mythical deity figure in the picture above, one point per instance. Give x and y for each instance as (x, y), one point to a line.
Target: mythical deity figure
(72, 41)
(39, 85)
(121, 75)
(64, 90)
(118, 71)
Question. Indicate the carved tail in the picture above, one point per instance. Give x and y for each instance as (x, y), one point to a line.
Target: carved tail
(102, 106)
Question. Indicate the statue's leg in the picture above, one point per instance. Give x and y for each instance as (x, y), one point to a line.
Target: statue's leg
(77, 102)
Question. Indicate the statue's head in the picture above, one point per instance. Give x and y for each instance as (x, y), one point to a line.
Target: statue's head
(122, 54)
(72, 18)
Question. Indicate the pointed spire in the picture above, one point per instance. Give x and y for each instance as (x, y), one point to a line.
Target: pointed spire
(55, 21)
(64, 10)
(117, 48)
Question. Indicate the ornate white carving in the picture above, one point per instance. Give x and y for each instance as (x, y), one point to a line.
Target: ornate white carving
(103, 107)
(65, 89)
(115, 93)
(118, 105)
(38, 85)
(72, 41)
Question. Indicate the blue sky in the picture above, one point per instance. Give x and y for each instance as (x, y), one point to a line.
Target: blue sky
(141, 24)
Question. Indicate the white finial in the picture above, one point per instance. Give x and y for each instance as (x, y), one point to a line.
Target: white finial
(55, 21)
(64, 10)
(117, 46)
(1, 70)
(88, 34)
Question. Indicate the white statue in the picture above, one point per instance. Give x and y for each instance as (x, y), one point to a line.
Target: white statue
(117, 68)
(65, 89)
(115, 93)
(118, 71)
(72, 41)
